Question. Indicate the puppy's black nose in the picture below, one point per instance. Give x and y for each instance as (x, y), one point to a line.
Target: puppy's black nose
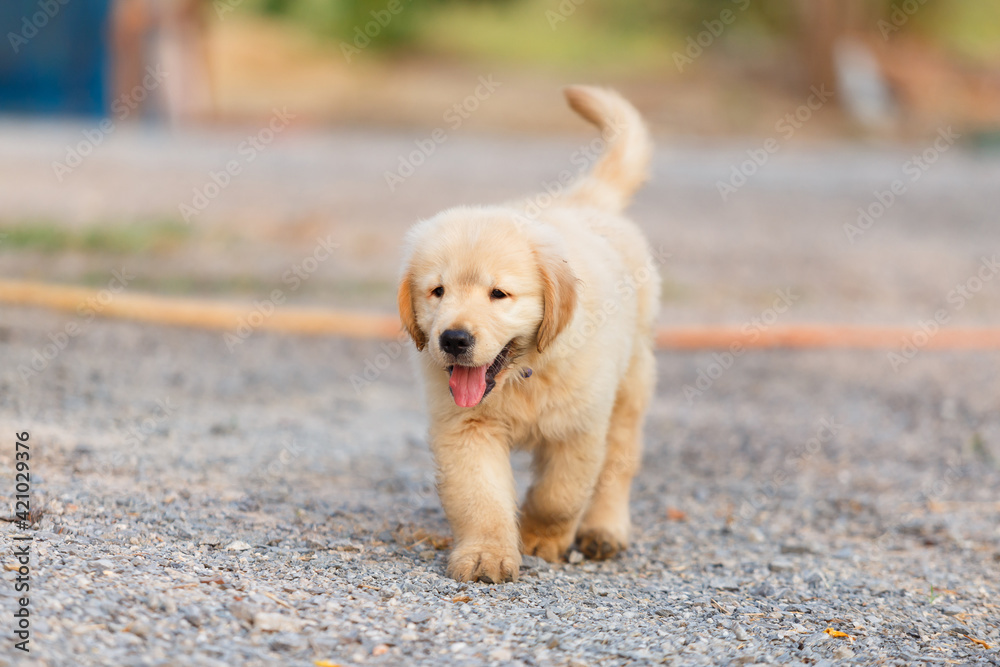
(456, 341)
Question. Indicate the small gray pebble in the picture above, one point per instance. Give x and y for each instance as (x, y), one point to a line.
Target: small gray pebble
(781, 565)
(138, 629)
(534, 563)
(288, 642)
(814, 578)
(101, 564)
(798, 548)
(815, 638)
(241, 611)
(192, 616)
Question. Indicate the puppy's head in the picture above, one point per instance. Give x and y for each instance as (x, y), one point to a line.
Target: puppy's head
(482, 290)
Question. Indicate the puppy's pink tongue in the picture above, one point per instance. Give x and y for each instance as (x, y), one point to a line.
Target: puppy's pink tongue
(468, 384)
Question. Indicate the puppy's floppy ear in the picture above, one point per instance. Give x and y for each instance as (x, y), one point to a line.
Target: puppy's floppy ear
(559, 297)
(407, 313)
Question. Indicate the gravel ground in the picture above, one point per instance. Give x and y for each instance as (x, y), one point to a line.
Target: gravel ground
(197, 506)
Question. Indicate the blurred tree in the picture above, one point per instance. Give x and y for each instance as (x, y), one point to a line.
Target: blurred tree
(388, 24)
(810, 27)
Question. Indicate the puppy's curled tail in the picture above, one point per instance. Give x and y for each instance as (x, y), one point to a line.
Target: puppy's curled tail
(623, 166)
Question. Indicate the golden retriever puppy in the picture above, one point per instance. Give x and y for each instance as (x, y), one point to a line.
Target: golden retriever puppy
(534, 322)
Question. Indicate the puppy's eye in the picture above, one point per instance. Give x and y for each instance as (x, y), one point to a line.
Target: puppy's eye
(498, 294)
(438, 291)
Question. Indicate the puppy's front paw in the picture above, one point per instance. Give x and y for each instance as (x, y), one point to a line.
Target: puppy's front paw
(492, 565)
(600, 543)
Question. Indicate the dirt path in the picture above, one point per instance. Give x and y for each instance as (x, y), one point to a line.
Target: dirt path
(202, 506)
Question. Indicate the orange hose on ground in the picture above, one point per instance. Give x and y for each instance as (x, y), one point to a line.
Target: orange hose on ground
(824, 335)
(198, 313)
(315, 321)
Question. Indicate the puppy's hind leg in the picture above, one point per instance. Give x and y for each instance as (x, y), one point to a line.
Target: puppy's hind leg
(606, 526)
(565, 472)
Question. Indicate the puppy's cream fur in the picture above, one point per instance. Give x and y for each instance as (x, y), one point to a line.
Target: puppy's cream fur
(582, 294)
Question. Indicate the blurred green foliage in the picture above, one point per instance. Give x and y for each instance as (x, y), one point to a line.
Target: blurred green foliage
(340, 18)
(48, 237)
(393, 22)
(628, 30)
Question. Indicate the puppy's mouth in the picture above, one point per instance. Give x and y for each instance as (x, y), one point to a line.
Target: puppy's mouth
(470, 384)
